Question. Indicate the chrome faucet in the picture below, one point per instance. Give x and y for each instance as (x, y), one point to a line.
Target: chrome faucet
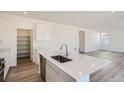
(66, 48)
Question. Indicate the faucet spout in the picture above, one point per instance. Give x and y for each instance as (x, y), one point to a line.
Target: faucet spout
(66, 49)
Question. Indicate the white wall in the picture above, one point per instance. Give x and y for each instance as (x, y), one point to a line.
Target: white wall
(8, 33)
(116, 41)
(92, 40)
(59, 34)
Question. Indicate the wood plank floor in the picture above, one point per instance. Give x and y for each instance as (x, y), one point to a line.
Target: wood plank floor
(111, 73)
(26, 71)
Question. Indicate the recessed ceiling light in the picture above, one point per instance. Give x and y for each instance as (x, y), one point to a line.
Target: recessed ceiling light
(25, 12)
(113, 11)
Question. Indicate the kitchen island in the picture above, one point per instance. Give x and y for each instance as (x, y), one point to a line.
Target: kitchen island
(77, 70)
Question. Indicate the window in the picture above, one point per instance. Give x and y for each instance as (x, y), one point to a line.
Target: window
(105, 38)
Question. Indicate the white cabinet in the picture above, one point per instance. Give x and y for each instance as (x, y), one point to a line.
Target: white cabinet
(51, 74)
(65, 78)
(42, 32)
(54, 74)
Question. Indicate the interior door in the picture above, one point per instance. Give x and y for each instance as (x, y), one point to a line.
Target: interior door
(81, 41)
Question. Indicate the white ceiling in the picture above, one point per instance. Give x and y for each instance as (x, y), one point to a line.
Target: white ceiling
(101, 20)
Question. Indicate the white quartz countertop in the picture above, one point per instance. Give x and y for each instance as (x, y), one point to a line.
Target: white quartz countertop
(80, 65)
(4, 52)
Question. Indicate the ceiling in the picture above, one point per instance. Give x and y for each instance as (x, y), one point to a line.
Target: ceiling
(101, 20)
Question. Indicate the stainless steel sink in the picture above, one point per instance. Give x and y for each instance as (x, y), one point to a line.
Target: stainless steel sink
(61, 59)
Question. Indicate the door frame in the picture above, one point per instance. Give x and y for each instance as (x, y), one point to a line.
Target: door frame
(81, 44)
(31, 42)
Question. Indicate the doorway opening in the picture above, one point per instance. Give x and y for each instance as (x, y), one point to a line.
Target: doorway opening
(24, 46)
(81, 41)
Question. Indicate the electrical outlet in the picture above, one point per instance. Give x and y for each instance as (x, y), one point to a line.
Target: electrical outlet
(75, 49)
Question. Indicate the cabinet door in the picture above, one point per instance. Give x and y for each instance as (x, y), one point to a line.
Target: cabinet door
(65, 77)
(51, 74)
(42, 32)
(54, 74)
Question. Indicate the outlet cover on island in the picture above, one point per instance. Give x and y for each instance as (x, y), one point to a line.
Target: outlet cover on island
(75, 49)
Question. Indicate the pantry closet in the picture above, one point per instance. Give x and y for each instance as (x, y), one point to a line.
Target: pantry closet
(23, 43)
